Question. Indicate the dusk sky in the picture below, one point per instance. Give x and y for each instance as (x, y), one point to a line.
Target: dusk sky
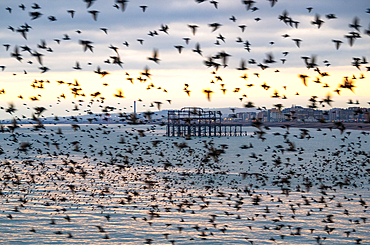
(267, 47)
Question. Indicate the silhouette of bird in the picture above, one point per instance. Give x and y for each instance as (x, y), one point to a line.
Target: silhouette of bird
(214, 26)
(35, 15)
(208, 92)
(193, 28)
(71, 12)
(304, 80)
(119, 94)
(337, 43)
(197, 49)
(143, 7)
(297, 42)
(122, 4)
(242, 66)
(77, 66)
(355, 24)
(179, 48)
(94, 14)
(317, 21)
(155, 56)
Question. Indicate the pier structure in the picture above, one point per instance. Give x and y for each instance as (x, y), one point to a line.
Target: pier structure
(194, 121)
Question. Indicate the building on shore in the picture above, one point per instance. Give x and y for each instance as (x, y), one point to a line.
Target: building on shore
(301, 114)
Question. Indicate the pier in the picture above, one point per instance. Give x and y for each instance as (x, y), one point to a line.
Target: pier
(194, 121)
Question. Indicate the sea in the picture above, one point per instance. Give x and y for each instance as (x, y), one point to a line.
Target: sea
(131, 184)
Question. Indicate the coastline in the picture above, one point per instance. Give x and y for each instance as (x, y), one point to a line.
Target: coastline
(328, 125)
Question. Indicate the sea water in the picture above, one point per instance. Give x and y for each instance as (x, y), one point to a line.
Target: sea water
(132, 185)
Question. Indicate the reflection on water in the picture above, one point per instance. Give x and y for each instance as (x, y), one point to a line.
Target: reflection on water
(107, 184)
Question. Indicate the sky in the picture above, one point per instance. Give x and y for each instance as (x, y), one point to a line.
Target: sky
(266, 40)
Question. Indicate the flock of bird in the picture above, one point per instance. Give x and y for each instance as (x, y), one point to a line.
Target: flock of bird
(215, 61)
(107, 180)
(129, 184)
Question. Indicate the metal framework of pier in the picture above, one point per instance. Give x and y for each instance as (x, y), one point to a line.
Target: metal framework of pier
(194, 121)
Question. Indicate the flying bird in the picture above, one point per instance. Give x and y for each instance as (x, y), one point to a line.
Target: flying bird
(197, 49)
(71, 12)
(214, 26)
(208, 93)
(94, 14)
(317, 21)
(242, 66)
(119, 94)
(122, 4)
(179, 48)
(304, 80)
(337, 43)
(143, 7)
(297, 42)
(35, 15)
(154, 57)
(355, 24)
(193, 28)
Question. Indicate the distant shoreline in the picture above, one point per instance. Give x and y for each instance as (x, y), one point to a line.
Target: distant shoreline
(328, 125)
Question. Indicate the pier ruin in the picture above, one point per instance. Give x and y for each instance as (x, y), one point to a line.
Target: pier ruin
(194, 121)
